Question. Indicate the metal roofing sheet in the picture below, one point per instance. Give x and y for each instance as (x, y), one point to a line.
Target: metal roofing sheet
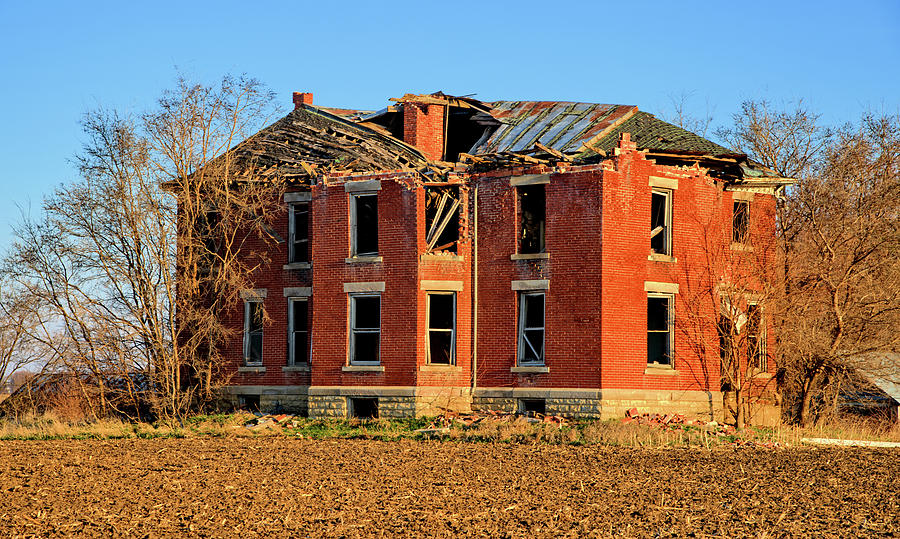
(561, 125)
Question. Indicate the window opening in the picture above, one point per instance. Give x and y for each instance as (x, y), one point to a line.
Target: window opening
(298, 233)
(249, 403)
(725, 328)
(661, 222)
(298, 331)
(532, 210)
(365, 224)
(530, 407)
(756, 341)
(531, 328)
(441, 218)
(253, 332)
(441, 338)
(659, 330)
(365, 335)
(363, 408)
(740, 221)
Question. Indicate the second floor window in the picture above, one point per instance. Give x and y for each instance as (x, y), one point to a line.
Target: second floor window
(740, 221)
(532, 218)
(661, 222)
(364, 224)
(298, 232)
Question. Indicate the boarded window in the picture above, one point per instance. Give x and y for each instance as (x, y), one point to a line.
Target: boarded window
(299, 232)
(532, 218)
(365, 334)
(659, 329)
(661, 222)
(531, 328)
(442, 218)
(298, 331)
(740, 221)
(365, 224)
(253, 332)
(441, 328)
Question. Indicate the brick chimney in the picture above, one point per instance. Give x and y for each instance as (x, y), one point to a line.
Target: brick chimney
(302, 98)
(423, 127)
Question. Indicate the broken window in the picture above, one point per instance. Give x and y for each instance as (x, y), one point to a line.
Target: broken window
(249, 402)
(441, 338)
(298, 331)
(441, 218)
(364, 221)
(298, 232)
(740, 221)
(365, 329)
(659, 329)
(253, 332)
(532, 212)
(531, 328)
(725, 327)
(363, 407)
(208, 226)
(756, 338)
(661, 222)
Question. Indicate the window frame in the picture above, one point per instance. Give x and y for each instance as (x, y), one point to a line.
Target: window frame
(521, 329)
(429, 329)
(520, 222)
(353, 331)
(249, 332)
(757, 354)
(292, 236)
(292, 352)
(667, 221)
(740, 222)
(354, 224)
(669, 331)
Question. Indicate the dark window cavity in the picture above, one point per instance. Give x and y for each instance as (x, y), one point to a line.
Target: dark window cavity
(441, 218)
(365, 224)
(298, 331)
(363, 407)
(740, 221)
(531, 407)
(253, 332)
(659, 330)
(661, 222)
(298, 236)
(441, 338)
(532, 211)
(531, 328)
(365, 335)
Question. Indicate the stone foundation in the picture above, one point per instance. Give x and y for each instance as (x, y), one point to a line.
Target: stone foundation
(282, 399)
(581, 403)
(699, 404)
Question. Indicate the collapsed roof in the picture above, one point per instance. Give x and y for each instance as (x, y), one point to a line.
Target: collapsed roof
(478, 136)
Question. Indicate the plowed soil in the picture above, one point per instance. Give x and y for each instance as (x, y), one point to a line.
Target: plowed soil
(287, 487)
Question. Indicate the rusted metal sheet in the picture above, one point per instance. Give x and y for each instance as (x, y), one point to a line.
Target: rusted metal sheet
(560, 125)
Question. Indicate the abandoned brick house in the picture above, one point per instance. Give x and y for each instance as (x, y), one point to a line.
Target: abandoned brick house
(516, 255)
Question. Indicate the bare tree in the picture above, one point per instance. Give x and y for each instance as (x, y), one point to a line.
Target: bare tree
(842, 308)
(135, 278)
(682, 117)
(18, 350)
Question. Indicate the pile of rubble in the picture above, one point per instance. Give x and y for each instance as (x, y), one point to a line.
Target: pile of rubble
(442, 423)
(282, 421)
(680, 422)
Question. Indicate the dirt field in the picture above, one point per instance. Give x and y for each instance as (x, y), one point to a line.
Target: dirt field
(281, 487)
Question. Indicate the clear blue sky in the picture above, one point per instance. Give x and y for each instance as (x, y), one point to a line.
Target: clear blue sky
(60, 59)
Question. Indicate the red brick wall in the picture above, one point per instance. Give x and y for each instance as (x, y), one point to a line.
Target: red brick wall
(423, 127)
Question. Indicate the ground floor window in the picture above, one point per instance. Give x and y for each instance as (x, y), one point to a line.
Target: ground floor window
(365, 329)
(298, 331)
(531, 328)
(659, 329)
(253, 332)
(441, 336)
(756, 338)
